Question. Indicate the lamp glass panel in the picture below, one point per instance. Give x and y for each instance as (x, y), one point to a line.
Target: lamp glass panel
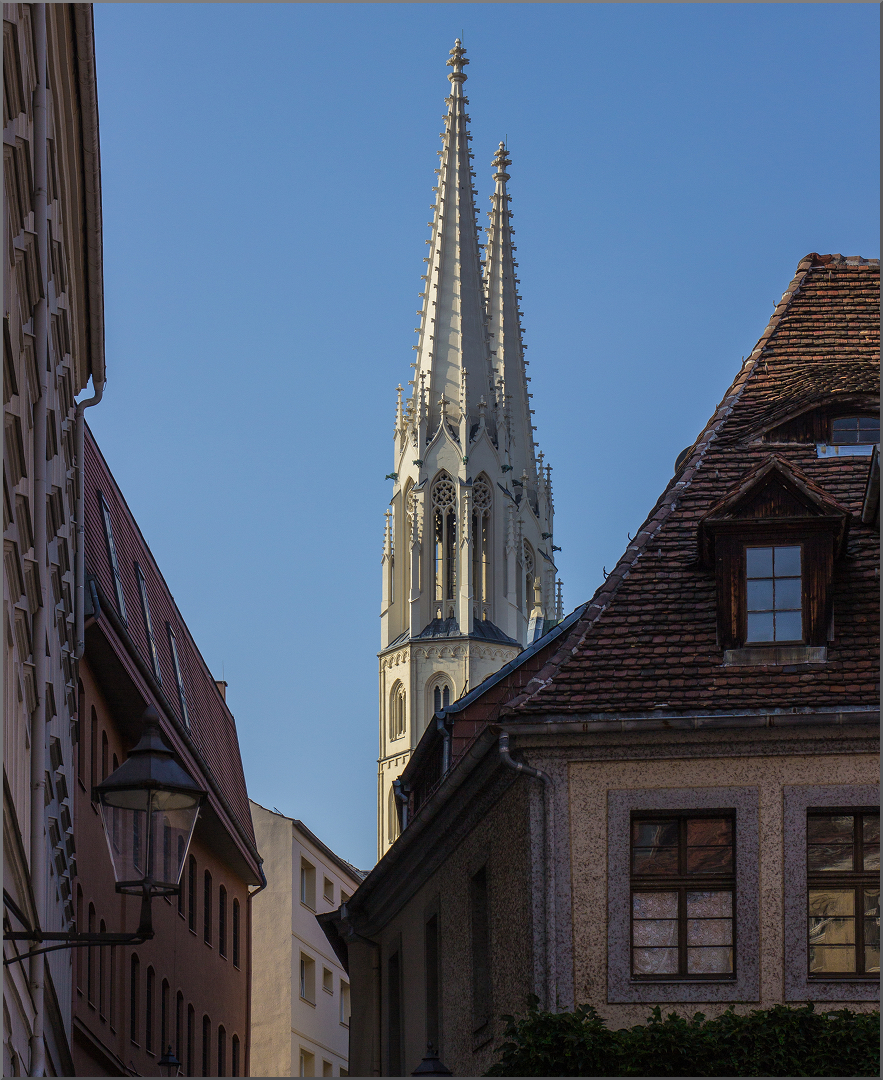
(143, 829)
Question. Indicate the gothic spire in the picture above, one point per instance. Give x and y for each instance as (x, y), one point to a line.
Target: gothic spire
(453, 333)
(504, 327)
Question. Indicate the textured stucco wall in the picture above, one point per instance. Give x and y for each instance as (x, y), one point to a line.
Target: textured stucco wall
(589, 784)
(501, 842)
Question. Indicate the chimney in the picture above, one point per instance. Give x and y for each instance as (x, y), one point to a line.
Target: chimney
(222, 688)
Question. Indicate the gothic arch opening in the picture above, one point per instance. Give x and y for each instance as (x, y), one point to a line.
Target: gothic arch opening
(528, 576)
(444, 562)
(482, 581)
(397, 713)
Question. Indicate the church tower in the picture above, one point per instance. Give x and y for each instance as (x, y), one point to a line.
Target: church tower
(468, 570)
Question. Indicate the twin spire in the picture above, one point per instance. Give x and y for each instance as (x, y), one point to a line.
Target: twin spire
(470, 362)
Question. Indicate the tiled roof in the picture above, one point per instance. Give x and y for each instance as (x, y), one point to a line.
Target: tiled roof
(648, 638)
(212, 727)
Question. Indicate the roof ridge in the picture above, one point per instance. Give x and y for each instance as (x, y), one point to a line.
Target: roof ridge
(663, 508)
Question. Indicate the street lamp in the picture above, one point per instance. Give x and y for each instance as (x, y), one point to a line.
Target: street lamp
(149, 807)
(169, 1062)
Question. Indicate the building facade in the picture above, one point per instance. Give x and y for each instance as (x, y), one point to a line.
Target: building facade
(673, 797)
(468, 557)
(53, 343)
(300, 990)
(188, 988)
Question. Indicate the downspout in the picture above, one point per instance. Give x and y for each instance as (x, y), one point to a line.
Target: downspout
(80, 594)
(352, 935)
(38, 852)
(549, 846)
(248, 958)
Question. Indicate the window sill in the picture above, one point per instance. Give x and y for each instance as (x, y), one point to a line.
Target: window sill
(307, 1001)
(775, 655)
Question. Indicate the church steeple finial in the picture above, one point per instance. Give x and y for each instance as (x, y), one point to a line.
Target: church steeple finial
(458, 61)
(504, 325)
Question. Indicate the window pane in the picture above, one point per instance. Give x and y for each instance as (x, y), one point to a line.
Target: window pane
(789, 626)
(830, 828)
(652, 833)
(759, 562)
(872, 828)
(787, 562)
(703, 832)
(869, 423)
(831, 958)
(760, 594)
(872, 959)
(789, 594)
(655, 932)
(655, 905)
(709, 860)
(714, 961)
(705, 905)
(709, 931)
(872, 920)
(655, 860)
(830, 903)
(760, 627)
(655, 961)
(829, 857)
(872, 856)
(824, 931)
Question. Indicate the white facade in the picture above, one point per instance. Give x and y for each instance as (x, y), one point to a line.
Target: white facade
(468, 562)
(300, 991)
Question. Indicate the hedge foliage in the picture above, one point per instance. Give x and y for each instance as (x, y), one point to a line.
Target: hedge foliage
(780, 1041)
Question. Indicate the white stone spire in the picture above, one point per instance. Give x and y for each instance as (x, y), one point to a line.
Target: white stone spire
(453, 332)
(516, 442)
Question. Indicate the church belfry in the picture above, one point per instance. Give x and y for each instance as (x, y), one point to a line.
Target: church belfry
(468, 570)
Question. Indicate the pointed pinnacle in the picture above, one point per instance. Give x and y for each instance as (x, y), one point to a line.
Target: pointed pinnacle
(500, 163)
(458, 61)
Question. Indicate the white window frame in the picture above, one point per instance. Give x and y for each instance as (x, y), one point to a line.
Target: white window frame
(112, 556)
(148, 625)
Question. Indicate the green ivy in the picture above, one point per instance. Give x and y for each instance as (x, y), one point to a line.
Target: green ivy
(780, 1041)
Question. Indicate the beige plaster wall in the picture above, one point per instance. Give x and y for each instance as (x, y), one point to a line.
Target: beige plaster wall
(501, 842)
(589, 783)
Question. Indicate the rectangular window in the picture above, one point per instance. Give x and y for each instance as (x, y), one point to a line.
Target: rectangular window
(308, 884)
(843, 892)
(235, 933)
(481, 950)
(774, 594)
(112, 556)
(344, 1003)
(307, 978)
(148, 625)
(328, 890)
(307, 1063)
(433, 1018)
(394, 1015)
(327, 980)
(182, 697)
(682, 896)
(191, 894)
(327, 1069)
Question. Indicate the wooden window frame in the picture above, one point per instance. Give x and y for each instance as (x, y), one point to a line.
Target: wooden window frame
(682, 883)
(855, 880)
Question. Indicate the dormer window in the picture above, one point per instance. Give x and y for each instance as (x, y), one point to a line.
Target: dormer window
(774, 594)
(851, 435)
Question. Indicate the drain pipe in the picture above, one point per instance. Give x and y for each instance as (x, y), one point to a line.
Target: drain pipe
(252, 893)
(549, 846)
(38, 853)
(80, 592)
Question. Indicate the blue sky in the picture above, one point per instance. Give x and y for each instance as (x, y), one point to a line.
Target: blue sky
(267, 174)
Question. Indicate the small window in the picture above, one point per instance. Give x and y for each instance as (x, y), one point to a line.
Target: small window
(164, 1015)
(774, 594)
(191, 1036)
(148, 625)
(235, 933)
(148, 1010)
(222, 921)
(307, 978)
(222, 1051)
(683, 892)
(112, 556)
(207, 909)
(327, 980)
(328, 890)
(843, 879)
(234, 1056)
(191, 893)
(179, 1025)
(308, 884)
(327, 1068)
(344, 1003)
(344, 897)
(307, 1063)
(206, 1046)
(853, 430)
(441, 696)
(182, 697)
(397, 711)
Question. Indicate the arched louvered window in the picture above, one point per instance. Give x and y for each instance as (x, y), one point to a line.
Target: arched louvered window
(397, 703)
(482, 500)
(392, 823)
(444, 519)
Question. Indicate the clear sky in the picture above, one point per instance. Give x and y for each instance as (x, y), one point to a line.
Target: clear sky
(267, 172)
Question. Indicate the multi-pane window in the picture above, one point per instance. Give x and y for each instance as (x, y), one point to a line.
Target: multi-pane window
(682, 894)
(182, 697)
(774, 594)
(441, 696)
(112, 555)
(843, 892)
(444, 516)
(397, 704)
(148, 625)
(855, 430)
